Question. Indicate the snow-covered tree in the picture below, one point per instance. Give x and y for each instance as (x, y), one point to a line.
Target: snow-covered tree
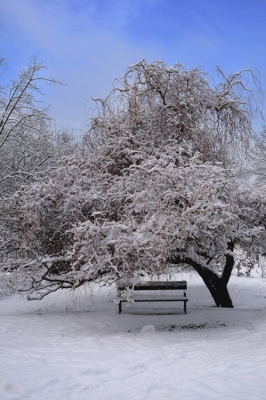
(28, 141)
(184, 105)
(152, 189)
(259, 159)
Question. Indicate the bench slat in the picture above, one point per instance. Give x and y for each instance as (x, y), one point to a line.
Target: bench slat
(156, 298)
(157, 285)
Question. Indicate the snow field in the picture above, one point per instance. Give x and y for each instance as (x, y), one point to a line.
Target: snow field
(74, 346)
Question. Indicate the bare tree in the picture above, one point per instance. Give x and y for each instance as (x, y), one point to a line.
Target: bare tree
(28, 142)
(25, 134)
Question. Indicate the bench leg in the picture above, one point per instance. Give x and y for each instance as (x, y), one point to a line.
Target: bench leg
(120, 307)
(185, 307)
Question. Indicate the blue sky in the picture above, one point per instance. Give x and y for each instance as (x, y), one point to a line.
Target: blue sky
(88, 43)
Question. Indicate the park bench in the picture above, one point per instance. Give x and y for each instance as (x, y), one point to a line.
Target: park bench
(154, 286)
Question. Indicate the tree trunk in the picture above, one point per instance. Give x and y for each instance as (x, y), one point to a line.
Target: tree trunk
(216, 284)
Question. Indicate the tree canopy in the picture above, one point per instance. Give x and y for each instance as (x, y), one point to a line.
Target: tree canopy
(153, 186)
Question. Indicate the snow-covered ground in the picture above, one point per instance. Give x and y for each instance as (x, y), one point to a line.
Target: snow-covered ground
(75, 346)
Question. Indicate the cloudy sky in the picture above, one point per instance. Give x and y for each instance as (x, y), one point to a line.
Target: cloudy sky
(88, 43)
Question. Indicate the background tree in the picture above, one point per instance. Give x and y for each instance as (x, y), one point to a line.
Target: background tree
(258, 159)
(28, 143)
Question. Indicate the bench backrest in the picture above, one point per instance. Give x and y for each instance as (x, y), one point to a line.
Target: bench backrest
(157, 285)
